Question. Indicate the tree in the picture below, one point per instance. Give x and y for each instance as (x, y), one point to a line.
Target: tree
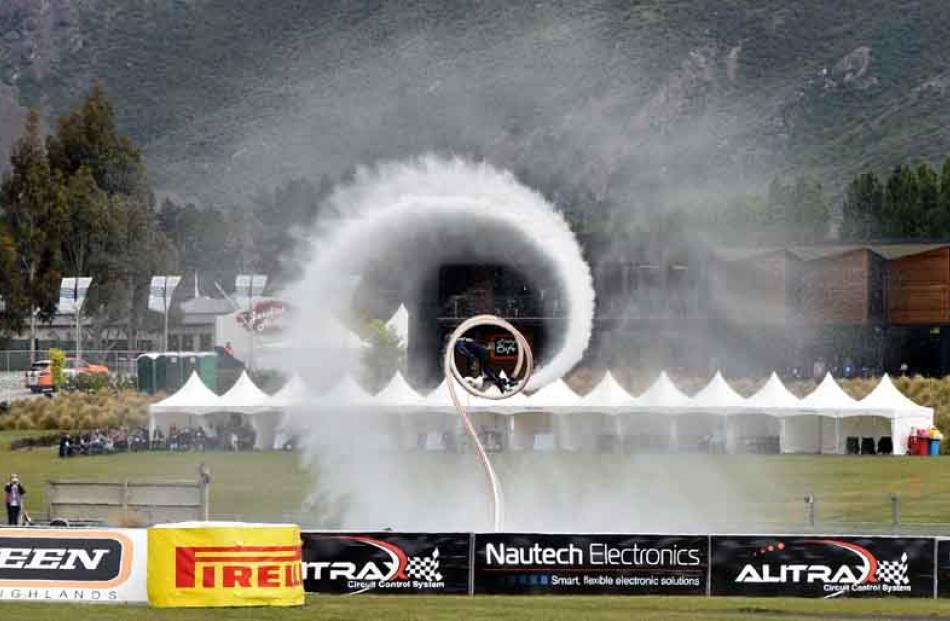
(106, 176)
(88, 224)
(89, 137)
(284, 220)
(810, 214)
(385, 355)
(203, 239)
(928, 205)
(33, 205)
(862, 207)
(797, 212)
(943, 201)
(900, 215)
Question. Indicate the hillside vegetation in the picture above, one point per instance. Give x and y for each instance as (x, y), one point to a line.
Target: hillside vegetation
(634, 105)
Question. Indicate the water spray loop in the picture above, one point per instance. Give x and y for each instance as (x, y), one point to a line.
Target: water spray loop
(525, 363)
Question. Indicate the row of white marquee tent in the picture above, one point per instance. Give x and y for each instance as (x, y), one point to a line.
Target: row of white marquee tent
(816, 423)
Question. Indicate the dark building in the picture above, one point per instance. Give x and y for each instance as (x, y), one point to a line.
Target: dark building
(674, 301)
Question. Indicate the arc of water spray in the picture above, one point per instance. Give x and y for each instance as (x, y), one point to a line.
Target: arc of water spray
(452, 376)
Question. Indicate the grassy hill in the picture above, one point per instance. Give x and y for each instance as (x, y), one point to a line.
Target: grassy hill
(634, 104)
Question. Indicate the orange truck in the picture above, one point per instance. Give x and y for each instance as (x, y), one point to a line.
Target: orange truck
(40, 376)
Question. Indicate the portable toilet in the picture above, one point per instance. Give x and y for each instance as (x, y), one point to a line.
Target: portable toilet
(173, 372)
(145, 366)
(208, 368)
(189, 364)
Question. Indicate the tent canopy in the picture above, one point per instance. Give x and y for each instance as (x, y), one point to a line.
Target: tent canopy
(192, 398)
(718, 394)
(245, 397)
(608, 394)
(663, 394)
(773, 396)
(886, 396)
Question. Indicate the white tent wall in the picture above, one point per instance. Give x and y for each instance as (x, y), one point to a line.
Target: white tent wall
(662, 418)
(164, 421)
(526, 427)
(804, 432)
(646, 431)
(860, 427)
(427, 430)
(701, 431)
(492, 427)
(753, 433)
(265, 426)
(829, 434)
(586, 432)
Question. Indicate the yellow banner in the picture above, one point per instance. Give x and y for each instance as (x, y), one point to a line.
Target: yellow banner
(224, 566)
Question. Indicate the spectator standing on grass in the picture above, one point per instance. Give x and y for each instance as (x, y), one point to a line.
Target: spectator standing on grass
(14, 492)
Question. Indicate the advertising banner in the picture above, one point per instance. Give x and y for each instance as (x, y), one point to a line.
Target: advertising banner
(386, 562)
(822, 566)
(75, 565)
(943, 567)
(224, 565)
(590, 564)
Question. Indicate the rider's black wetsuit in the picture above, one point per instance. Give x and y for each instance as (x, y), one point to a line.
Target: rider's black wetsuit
(476, 352)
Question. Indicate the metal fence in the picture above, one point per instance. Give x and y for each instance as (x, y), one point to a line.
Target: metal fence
(118, 361)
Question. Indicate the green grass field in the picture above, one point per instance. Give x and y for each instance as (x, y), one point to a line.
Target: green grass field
(368, 608)
(272, 486)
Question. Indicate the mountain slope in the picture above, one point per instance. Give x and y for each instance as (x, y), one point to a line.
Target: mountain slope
(637, 108)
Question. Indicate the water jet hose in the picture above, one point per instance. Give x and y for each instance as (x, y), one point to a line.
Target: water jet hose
(452, 376)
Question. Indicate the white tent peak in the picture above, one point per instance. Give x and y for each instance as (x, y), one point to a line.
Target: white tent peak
(829, 395)
(399, 323)
(664, 393)
(608, 393)
(244, 394)
(773, 394)
(718, 393)
(193, 397)
(349, 392)
(557, 394)
(886, 395)
(293, 392)
(398, 392)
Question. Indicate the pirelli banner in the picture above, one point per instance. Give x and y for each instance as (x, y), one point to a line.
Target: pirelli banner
(74, 565)
(385, 563)
(823, 566)
(590, 564)
(230, 564)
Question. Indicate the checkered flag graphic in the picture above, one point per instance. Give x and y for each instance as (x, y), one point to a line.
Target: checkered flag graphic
(425, 567)
(893, 572)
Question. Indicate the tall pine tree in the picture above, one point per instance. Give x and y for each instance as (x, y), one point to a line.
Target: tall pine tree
(33, 216)
(861, 211)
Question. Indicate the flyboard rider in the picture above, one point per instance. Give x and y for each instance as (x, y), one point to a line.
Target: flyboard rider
(477, 355)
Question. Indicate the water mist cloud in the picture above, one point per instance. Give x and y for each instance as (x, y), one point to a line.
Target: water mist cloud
(461, 206)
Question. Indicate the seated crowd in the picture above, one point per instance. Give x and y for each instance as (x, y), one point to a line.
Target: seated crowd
(118, 440)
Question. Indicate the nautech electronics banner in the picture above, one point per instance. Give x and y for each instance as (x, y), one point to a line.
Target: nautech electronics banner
(224, 565)
(386, 562)
(590, 564)
(822, 566)
(74, 565)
